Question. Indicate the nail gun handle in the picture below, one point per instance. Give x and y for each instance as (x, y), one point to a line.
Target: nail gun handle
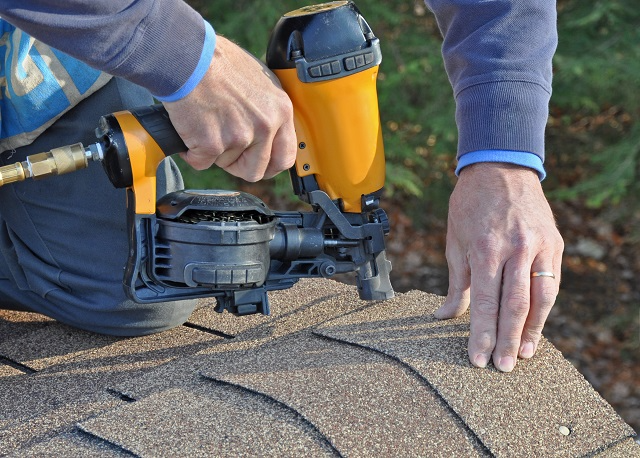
(155, 120)
(134, 144)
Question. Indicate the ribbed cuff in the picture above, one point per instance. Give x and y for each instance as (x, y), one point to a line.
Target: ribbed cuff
(202, 67)
(522, 158)
(502, 115)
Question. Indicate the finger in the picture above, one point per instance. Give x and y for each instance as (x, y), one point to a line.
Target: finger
(197, 162)
(203, 157)
(544, 291)
(285, 148)
(250, 164)
(486, 279)
(457, 301)
(514, 309)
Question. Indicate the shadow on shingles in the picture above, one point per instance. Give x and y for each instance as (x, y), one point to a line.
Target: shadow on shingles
(304, 316)
(149, 358)
(11, 329)
(76, 365)
(82, 340)
(49, 401)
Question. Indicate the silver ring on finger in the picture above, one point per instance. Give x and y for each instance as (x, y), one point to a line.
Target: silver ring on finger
(542, 274)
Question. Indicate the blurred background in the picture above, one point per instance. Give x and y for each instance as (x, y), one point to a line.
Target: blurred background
(593, 154)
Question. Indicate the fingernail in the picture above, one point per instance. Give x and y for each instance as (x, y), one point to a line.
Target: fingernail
(481, 360)
(527, 350)
(506, 364)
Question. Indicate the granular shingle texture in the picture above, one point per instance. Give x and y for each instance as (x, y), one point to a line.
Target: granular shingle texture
(211, 420)
(514, 414)
(325, 375)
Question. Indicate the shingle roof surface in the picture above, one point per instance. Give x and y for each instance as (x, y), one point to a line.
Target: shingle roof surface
(325, 375)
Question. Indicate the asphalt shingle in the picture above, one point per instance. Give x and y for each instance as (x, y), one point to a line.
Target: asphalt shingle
(325, 375)
(514, 414)
(70, 372)
(364, 403)
(211, 420)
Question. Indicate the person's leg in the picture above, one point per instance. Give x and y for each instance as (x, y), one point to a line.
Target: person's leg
(63, 240)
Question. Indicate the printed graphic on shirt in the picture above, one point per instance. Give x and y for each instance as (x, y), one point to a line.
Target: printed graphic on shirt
(38, 84)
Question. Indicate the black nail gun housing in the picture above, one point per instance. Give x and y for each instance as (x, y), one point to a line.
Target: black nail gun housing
(213, 238)
(230, 245)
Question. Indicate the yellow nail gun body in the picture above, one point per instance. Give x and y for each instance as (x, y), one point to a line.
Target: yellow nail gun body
(229, 244)
(332, 84)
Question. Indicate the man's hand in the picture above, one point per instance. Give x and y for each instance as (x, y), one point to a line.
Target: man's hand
(501, 229)
(238, 117)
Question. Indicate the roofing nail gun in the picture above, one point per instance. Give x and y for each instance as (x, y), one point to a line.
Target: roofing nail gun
(229, 244)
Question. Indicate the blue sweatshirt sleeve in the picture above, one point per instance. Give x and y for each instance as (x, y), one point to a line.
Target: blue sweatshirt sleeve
(164, 46)
(497, 55)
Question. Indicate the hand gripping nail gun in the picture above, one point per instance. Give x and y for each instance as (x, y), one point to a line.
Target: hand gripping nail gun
(229, 244)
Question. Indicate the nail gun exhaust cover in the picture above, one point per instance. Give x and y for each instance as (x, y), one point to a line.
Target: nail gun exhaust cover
(320, 31)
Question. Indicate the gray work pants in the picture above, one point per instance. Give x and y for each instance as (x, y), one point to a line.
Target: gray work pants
(63, 240)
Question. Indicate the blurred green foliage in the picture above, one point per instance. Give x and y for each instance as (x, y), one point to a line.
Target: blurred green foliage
(594, 134)
(596, 100)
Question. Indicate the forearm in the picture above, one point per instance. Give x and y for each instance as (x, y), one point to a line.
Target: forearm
(498, 58)
(134, 39)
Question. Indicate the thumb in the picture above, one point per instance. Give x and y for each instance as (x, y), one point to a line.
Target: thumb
(458, 295)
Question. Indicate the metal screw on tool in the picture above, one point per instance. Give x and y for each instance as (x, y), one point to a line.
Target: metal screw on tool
(302, 145)
(306, 167)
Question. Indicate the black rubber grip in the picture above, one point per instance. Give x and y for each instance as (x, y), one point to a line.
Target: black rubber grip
(155, 120)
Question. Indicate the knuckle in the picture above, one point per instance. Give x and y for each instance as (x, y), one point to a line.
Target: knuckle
(199, 161)
(486, 306)
(548, 295)
(269, 122)
(456, 290)
(264, 127)
(290, 161)
(553, 241)
(451, 255)
(253, 177)
(483, 341)
(241, 138)
(487, 245)
(283, 161)
(558, 241)
(487, 251)
(286, 106)
(517, 303)
(249, 170)
(522, 245)
(533, 331)
(199, 166)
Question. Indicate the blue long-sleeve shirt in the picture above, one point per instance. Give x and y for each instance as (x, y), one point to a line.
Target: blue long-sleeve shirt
(160, 45)
(497, 54)
(55, 54)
